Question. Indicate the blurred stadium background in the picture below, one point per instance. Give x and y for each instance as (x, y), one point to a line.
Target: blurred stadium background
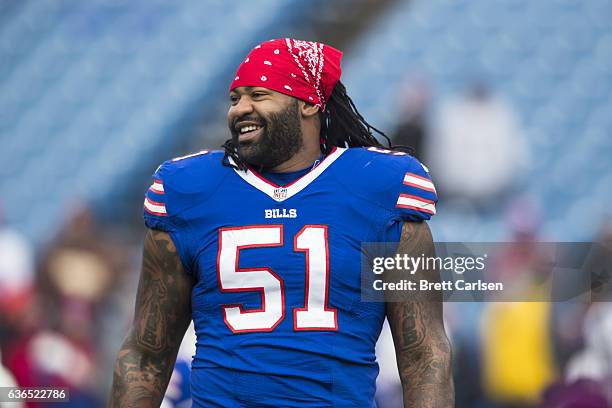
(508, 102)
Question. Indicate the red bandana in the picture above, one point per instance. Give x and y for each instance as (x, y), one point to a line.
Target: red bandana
(302, 69)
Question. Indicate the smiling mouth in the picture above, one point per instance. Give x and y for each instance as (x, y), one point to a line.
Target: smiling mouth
(249, 132)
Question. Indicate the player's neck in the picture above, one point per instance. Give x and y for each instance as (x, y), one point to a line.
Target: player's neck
(301, 160)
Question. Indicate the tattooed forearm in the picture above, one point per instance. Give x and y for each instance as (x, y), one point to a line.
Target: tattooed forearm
(150, 328)
(422, 348)
(423, 356)
(163, 312)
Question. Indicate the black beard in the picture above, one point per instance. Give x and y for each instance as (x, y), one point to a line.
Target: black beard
(280, 141)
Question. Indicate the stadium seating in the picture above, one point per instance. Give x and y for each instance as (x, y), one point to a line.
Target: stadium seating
(550, 59)
(89, 90)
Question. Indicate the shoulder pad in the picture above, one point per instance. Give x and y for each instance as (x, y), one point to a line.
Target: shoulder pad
(397, 181)
(179, 183)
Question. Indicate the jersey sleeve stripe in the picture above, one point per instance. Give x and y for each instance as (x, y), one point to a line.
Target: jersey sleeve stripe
(414, 180)
(154, 207)
(410, 207)
(416, 203)
(157, 187)
(420, 186)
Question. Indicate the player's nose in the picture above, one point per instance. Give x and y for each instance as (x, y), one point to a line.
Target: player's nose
(242, 107)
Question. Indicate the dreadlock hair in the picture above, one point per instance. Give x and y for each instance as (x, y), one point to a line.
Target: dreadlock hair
(341, 126)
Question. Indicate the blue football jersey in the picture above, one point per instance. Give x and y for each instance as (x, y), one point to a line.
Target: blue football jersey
(277, 298)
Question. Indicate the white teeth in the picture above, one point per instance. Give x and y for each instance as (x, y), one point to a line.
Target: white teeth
(249, 128)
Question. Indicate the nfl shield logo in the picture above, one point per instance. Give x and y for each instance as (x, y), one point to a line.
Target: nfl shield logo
(280, 193)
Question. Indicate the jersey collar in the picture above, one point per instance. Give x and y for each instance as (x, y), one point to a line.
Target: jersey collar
(282, 193)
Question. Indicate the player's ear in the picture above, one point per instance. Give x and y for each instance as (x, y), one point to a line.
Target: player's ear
(307, 109)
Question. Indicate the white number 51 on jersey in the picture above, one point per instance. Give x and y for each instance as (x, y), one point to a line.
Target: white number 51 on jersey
(315, 315)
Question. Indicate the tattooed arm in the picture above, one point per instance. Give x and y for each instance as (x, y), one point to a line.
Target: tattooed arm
(422, 348)
(163, 313)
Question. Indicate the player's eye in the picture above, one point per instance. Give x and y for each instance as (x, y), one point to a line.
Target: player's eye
(258, 94)
(234, 99)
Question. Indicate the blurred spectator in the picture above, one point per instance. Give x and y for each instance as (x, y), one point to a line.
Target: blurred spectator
(18, 317)
(580, 326)
(587, 378)
(7, 380)
(50, 358)
(413, 129)
(16, 277)
(579, 394)
(517, 352)
(595, 360)
(78, 271)
(57, 341)
(517, 349)
(478, 151)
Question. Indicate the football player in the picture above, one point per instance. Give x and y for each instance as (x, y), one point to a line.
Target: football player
(260, 244)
